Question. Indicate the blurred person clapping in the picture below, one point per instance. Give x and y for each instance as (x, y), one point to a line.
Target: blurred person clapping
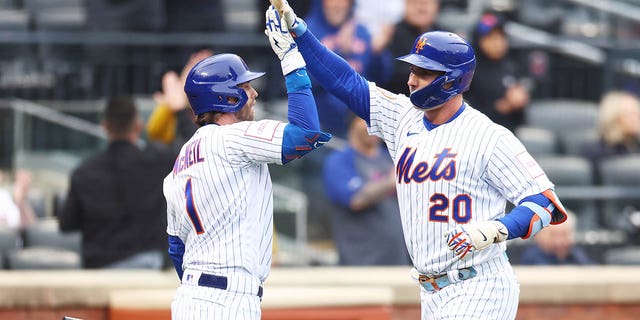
(501, 94)
(172, 105)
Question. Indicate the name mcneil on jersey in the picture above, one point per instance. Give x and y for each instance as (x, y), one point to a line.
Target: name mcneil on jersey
(444, 167)
(190, 156)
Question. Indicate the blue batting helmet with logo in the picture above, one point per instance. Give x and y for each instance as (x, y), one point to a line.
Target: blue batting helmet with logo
(212, 84)
(444, 52)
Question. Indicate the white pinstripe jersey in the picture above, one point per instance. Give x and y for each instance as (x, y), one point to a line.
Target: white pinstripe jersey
(220, 198)
(460, 172)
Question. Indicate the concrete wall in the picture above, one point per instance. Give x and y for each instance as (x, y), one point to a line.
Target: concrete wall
(313, 293)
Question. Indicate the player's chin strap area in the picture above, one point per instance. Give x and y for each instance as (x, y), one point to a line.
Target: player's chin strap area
(436, 283)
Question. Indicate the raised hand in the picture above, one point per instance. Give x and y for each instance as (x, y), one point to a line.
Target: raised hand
(282, 42)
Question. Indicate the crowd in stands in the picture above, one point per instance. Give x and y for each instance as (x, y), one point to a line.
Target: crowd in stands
(120, 229)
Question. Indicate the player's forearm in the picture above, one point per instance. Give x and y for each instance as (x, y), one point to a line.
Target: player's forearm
(370, 194)
(529, 217)
(335, 74)
(302, 110)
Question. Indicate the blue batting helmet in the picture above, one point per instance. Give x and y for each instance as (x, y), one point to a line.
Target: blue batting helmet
(212, 84)
(445, 52)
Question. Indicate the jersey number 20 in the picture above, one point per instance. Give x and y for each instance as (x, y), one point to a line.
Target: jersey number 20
(461, 208)
(191, 209)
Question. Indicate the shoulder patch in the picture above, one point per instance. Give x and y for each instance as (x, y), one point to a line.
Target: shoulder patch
(264, 129)
(530, 164)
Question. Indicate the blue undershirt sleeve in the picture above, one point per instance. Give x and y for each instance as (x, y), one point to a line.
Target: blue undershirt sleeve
(517, 221)
(335, 75)
(296, 142)
(176, 252)
(302, 110)
(302, 134)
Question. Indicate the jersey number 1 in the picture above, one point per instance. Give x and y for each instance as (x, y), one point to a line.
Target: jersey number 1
(191, 209)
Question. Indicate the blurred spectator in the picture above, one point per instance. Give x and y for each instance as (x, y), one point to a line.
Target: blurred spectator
(556, 245)
(115, 196)
(173, 107)
(618, 126)
(333, 23)
(379, 17)
(419, 17)
(500, 94)
(15, 210)
(366, 223)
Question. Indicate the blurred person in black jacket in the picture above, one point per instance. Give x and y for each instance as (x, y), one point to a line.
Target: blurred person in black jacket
(499, 93)
(115, 196)
(420, 16)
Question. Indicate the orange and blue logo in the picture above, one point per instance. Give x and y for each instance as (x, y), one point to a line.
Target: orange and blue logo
(421, 43)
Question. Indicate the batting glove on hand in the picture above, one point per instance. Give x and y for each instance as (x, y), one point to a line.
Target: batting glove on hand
(282, 43)
(295, 24)
(475, 236)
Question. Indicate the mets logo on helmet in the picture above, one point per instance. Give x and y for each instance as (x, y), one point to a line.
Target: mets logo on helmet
(421, 43)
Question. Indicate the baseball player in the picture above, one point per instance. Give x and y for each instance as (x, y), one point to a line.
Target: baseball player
(219, 193)
(455, 170)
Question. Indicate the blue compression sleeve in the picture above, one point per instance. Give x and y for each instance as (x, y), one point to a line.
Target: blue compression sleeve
(299, 27)
(335, 75)
(176, 252)
(296, 142)
(302, 110)
(519, 221)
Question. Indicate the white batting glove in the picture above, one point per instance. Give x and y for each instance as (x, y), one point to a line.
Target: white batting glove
(282, 43)
(295, 24)
(285, 11)
(475, 236)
